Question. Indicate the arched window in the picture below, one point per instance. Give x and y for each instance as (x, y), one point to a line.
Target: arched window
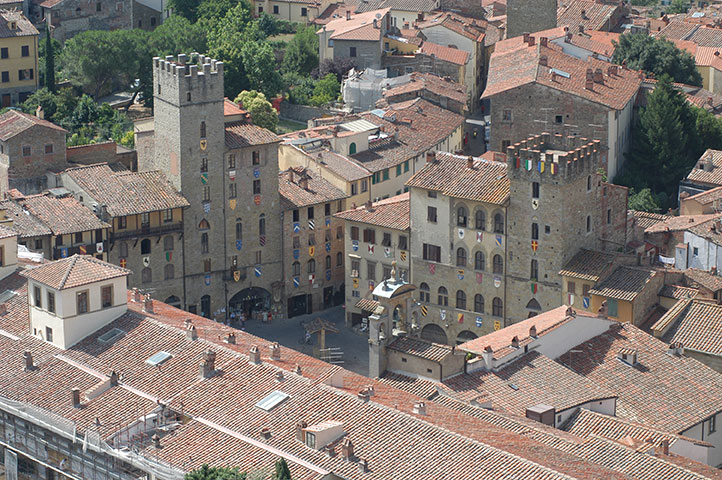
(480, 222)
(339, 259)
(203, 129)
(296, 268)
(123, 249)
(168, 271)
(498, 223)
(460, 300)
(328, 262)
(145, 246)
(479, 303)
(204, 242)
(206, 306)
(312, 266)
(424, 295)
(498, 264)
(204, 225)
(352, 148)
(534, 270)
(168, 243)
(535, 231)
(262, 224)
(497, 307)
(461, 216)
(443, 297)
(479, 261)
(461, 257)
(146, 275)
(239, 229)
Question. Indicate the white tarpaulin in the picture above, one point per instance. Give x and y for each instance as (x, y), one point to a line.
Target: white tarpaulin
(666, 260)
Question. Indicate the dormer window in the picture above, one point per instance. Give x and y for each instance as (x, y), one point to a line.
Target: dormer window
(310, 440)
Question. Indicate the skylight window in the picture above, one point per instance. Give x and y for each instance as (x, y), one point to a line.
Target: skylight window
(272, 400)
(158, 358)
(111, 335)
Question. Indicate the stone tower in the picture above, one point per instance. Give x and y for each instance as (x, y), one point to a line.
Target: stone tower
(552, 214)
(530, 16)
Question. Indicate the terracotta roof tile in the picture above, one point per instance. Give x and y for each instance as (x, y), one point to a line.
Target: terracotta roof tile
(318, 190)
(713, 177)
(14, 122)
(24, 27)
(646, 219)
(677, 292)
(367, 304)
(518, 67)
(62, 215)
(683, 390)
(625, 283)
(74, 271)
(698, 327)
(388, 213)
(707, 197)
(450, 175)
(432, 83)
(360, 27)
(679, 223)
(421, 348)
(6, 232)
(588, 265)
(26, 225)
(593, 15)
(470, 28)
(127, 193)
(418, 386)
(705, 279)
(447, 54)
(242, 135)
(384, 153)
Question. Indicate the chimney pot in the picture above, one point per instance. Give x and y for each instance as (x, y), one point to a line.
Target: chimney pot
(254, 355)
(581, 28)
(28, 361)
(113, 378)
(279, 376)
(266, 432)
(419, 408)
(275, 351)
(231, 338)
(532, 41)
(470, 162)
(348, 14)
(76, 397)
(543, 41)
(532, 331)
(515, 342)
(363, 465)
(147, 304)
(297, 370)
(347, 449)
(525, 37)
(137, 297)
(665, 447)
(430, 156)
(370, 390)
(363, 396)
(156, 440)
(191, 332)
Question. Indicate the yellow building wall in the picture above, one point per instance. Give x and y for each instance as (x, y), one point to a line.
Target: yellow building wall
(705, 71)
(16, 62)
(402, 48)
(625, 310)
(578, 303)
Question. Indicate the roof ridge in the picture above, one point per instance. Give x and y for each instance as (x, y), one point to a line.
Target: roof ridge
(72, 262)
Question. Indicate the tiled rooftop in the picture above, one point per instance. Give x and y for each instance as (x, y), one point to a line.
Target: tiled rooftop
(26, 225)
(74, 271)
(450, 175)
(388, 213)
(317, 190)
(661, 391)
(588, 265)
(713, 177)
(679, 223)
(127, 193)
(432, 83)
(14, 122)
(23, 26)
(472, 29)
(447, 54)
(646, 219)
(242, 135)
(625, 283)
(697, 326)
(521, 66)
(360, 27)
(707, 280)
(421, 348)
(677, 292)
(593, 15)
(62, 215)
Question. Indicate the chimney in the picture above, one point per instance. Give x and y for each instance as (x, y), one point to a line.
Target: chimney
(347, 449)
(543, 60)
(303, 182)
(299, 430)
(191, 332)
(279, 376)
(430, 156)
(147, 303)
(543, 41)
(275, 351)
(420, 17)
(137, 297)
(554, 76)
(581, 28)
(254, 355)
(584, 15)
(28, 361)
(710, 101)
(376, 23)
(589, 85)
(525, 37)
(488, 357)
(297, 369)
(369, 206)
(406, 25)
(348, 14)
(532, 331)
(627, 355)
(665, 446)
(371, 390)
(570, 312)
(419, 408)
(231, 338)
(470, 162)
(156, 440)
(363, 465)
(515, 342)
(40, 113)
(113, 378)
(532, 41)
(266, 433)
(568, 37)
(602, 312)
(208, 367)
(598, 76)
(76, 397)
(363, 395)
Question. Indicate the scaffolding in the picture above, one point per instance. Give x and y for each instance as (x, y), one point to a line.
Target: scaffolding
(362, 89)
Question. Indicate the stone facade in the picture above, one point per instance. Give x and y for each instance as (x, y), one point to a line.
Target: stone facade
(551, 215)
(530, 16)
(232, 230)
(70, 17)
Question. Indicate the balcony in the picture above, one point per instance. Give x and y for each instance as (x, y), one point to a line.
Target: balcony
(146, 230)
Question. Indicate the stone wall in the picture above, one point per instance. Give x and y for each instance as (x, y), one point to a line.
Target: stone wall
(530, 16)
(302, 113)
(104, 152)
(27, 173)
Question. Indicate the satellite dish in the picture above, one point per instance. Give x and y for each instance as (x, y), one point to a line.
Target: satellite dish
(378, 15)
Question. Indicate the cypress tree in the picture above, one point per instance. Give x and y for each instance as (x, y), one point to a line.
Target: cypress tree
(49, 61)
(282, 470)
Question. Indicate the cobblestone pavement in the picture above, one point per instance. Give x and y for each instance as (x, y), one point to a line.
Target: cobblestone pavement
(288, 332)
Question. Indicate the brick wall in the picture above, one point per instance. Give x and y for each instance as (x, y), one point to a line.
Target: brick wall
(27, 173)
(94, 153)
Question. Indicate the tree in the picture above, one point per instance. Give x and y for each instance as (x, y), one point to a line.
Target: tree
(302, 52)
(327, 90)
(225, 41)
(177, 35)
(49, 61)
(678, 6)
(337, 66)
(643, 201)
(211, 11)
(282, 470)
(215, 473)
(259, 64)
(262, 112)
(656, 56)
(299, 88)
(709, 130)
(185, 8)
(44, 98)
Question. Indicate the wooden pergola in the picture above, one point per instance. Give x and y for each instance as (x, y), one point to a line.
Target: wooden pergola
(320, 326)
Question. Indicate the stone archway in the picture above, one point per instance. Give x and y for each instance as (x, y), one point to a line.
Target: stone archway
(250, 300)
(434, 333)
(173, 301)
(465, 336)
